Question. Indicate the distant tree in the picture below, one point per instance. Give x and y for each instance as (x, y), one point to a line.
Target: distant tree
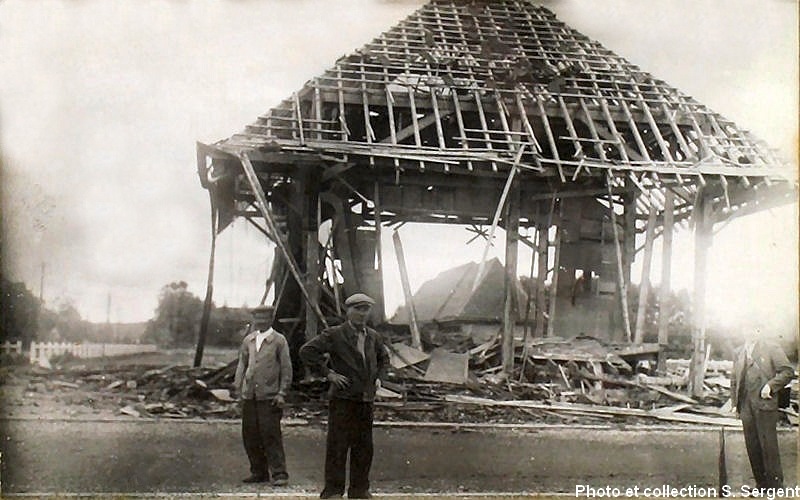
(70, 325)
(177, 318)
(227, 325)
(19, 312)
(65, 324)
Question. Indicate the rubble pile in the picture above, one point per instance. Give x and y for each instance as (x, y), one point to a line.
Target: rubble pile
(580, 380)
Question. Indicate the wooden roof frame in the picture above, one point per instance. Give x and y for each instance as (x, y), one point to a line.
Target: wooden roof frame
(474, 89)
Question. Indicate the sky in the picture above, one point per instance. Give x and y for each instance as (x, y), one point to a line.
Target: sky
(101, 103)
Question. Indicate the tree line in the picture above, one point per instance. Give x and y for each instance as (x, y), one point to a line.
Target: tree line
(175, 323)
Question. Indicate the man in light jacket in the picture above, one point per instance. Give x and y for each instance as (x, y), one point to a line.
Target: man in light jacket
(760, 370)
(263, 376)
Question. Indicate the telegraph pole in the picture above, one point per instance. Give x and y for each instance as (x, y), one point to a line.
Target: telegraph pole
(41, 285)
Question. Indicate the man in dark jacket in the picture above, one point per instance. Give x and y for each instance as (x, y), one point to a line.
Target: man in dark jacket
(263, 376)
(358, 361)
(760, 370)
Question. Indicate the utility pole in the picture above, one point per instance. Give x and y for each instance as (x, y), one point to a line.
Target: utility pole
(109, 332)
(41, 285)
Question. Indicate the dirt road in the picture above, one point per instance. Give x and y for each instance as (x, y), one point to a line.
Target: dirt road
(180, 456)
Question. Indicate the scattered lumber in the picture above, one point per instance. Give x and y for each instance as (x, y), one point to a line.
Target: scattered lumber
(563, 381)
(673, 395)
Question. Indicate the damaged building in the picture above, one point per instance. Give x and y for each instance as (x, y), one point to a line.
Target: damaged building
(486, 115)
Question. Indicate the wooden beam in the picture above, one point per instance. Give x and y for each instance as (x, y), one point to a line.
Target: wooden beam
(496, 219)
(201, 338)
(644, 284)
(622, 287)
(415, 122)
(312, 282)
(410, 130)
(629, 226)
(379, 253)
(512, 252)
(269, 218)
(702, 242)
(416, 340)
(666, 277)
(542, 244)
(554, 283)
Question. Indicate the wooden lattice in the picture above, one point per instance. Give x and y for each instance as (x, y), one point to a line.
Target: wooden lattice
(477, 88)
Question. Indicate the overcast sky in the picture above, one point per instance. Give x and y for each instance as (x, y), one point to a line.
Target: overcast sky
(101, 103)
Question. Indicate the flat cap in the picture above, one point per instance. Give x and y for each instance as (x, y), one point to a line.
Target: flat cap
(262, 309)
(359, 298)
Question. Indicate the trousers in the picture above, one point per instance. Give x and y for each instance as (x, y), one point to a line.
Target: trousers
(761, 441)
(349, 429)
(263, 441)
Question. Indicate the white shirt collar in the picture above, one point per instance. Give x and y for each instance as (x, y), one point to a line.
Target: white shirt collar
(261, 336)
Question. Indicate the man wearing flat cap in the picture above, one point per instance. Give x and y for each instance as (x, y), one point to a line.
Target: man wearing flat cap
(263, 376)
(357, 362)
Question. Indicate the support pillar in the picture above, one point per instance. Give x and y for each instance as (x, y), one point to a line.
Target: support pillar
(551, 316)
(379, 300)
(312, 282)
(201, 339)
(666, 276)
(622, 282)
(702, 242)
(416, 339)
(541, 299)
(644, 285)
(628, 251)
(309, 203)
(512, 252)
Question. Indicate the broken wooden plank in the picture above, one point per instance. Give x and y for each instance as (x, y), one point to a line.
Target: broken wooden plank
(412, 314)
(673, 395)
(698, 419)
(676, 380)
(385, 393)
(222, 394)
(671, 409)
(597, 410)
(448, 367)
(402, 355)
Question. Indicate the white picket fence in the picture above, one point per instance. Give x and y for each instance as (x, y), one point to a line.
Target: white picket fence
(11, 347)
(41, 352)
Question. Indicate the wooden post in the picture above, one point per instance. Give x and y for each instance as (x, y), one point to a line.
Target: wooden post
(541, 299)
(526, 318)
(312, 282)
(495, 221)
(622, 287)
(554, 284)
(666, 276)
(512, 252)
(345, 249)
(379, 255)
(644, 285)
(201, 337)
(629, 217)
(702, 241)
(269, 218)
(416, 341)
(309, 199)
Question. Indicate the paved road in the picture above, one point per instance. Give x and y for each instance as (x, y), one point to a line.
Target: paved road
(195, 457)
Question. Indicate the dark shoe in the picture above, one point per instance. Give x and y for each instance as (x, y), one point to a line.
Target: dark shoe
(280, 481)
(363, 494)
(254, 479)
(328, 494)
